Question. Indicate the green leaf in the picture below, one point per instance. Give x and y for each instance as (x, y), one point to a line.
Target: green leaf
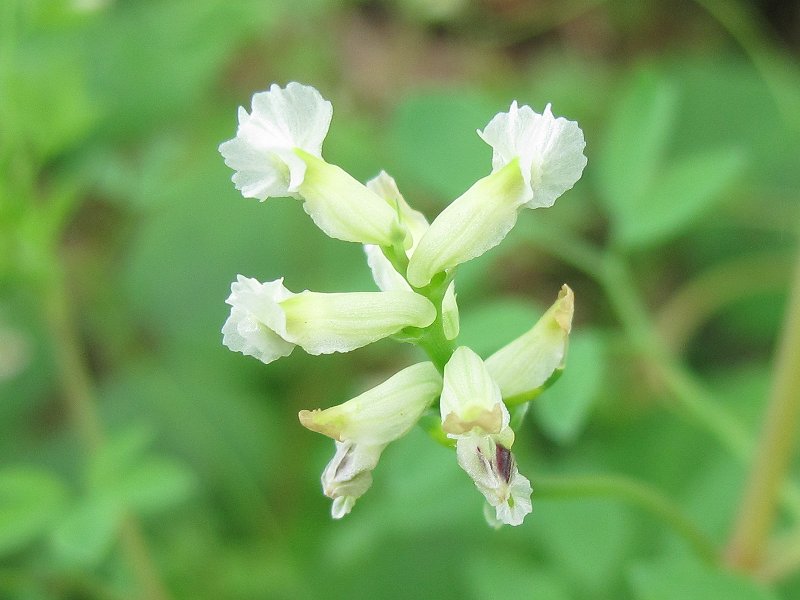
(688, 189)
(487, 328)
(433, 140)
(30, 499)
(155, 485)
(563, 410)
(635, 143)
(85, 535)
(510, 576)
(667, 580)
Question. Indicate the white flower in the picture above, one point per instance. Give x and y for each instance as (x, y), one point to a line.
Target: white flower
(536, 158)
(262, 153)
(267, 320)
(384, 274)
(492, 467)
(471, 401)
(277, 151)
(549, 150)
(364, 425)
(522, 367)
(349, 475)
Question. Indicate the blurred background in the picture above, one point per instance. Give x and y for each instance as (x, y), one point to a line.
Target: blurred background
(139, 458)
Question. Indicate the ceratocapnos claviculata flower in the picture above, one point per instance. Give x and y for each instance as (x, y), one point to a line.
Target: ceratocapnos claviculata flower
(277, 151)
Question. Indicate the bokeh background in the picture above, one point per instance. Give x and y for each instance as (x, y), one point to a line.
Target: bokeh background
(139, 458)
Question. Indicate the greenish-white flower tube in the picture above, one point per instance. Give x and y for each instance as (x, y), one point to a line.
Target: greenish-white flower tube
(473, 223)
(527, 363)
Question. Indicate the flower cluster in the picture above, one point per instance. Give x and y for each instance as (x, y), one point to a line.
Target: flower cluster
(277, 151)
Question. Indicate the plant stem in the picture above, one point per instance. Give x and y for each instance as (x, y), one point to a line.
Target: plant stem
(617, 281)
(79, 397)
(776, 444)
(638, 494)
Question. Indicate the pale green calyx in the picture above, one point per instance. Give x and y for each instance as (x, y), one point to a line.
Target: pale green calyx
(344, 208)
(267, 320)
(526, 364)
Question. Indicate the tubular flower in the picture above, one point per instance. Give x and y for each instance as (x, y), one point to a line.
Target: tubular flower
(364, 425)
(474, 414)
(267, 321)
(536, 158)
(524, 366)
(277, 151)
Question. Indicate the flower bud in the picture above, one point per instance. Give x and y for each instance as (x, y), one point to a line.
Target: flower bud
(522, 367)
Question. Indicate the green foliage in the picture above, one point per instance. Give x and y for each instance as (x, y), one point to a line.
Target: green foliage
(111, 183)
(649, 197)
(663, 580)
(30, 501)
(564, 409)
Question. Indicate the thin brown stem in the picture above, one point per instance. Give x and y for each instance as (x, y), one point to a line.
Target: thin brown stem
(79, 398)
(776, 443)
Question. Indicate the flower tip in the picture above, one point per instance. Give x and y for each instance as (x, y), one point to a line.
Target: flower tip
(566, 308)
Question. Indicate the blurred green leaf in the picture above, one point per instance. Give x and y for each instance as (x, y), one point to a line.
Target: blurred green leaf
(155, 484)
(433, 141)
(686, 190)
(635, 142)
(563, 409)
(487, 328)
(87, 532)
(30, 500)
(586, 540)
(668, 580)
(512, 577)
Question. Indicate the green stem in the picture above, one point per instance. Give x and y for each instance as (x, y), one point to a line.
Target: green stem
(692, 398)
(79, 396)
(434, 342)
(775, 447)
(635, 493)
(617, 281)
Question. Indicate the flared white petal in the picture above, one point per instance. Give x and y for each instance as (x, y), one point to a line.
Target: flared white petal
(549, 150)
(262, 153)
(528, 362)
(492, 467)
(349, 475)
